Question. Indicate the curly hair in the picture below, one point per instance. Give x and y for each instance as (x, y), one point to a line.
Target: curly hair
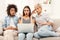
(9, 7)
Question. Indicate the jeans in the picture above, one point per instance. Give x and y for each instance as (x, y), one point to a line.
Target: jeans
(10, 34)
(21, 36)
(45, 31)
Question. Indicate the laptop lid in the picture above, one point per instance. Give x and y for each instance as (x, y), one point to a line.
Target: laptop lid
(26, 28)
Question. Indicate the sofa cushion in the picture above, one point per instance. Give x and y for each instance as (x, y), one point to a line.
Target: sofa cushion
(57, 22)
(1, 30)
(51, 38)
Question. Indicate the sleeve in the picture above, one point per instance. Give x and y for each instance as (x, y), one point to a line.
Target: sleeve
(16, 20)
(19, 18)
(33, 17)
(48, 18)
(4, 25)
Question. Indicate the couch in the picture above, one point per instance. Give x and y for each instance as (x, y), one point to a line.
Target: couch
(57, 23)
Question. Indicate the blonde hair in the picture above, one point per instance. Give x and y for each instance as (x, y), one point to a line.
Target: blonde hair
(38, 5)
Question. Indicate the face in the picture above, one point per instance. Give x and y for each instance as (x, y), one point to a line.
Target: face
(26, 11)
(38, 9)
(12, 11)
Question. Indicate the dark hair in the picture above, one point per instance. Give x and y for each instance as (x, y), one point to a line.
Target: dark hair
(9, 7)
(29, 11)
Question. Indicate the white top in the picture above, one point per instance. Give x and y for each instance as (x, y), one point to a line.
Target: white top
(12, 23)
(42, 18)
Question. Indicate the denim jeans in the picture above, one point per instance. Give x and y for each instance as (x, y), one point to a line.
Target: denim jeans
(21, 36)
(45, 31)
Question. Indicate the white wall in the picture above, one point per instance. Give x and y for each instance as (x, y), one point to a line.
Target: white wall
(56, 9)
(19, 3)
(53, 9)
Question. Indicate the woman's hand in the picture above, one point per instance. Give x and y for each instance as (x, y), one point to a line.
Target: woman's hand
(43, 23)
(14, 28)
(34, 11)
(10, 28)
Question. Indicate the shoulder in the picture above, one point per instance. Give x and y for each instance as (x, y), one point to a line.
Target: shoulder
(20, 17)
(6, 18)
(33, 19)
(15, 17)
(45, 15)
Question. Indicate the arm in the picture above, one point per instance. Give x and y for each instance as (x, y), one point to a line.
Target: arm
(7, 27)
(20, 20)
(51, 22)
(4, 25)
(35, 25)
(33, 12)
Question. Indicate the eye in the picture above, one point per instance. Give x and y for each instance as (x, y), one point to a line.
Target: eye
(37, 8)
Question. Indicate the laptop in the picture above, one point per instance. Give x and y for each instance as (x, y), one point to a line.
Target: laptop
(26, 28)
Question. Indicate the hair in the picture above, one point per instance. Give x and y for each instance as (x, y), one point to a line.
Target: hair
(9, 7)
(39, 5)
(29, 11)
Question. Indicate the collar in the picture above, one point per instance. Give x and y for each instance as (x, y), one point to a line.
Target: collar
(39, 15)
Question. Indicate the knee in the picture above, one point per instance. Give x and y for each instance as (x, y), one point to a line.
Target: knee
(15, 33)
(1, 32)
(29, 35)
(5, 32)
(21, 35)
(36, 35)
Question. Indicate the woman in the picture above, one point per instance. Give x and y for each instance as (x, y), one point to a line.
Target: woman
(45, 24)
(26, 18)
(10, 23)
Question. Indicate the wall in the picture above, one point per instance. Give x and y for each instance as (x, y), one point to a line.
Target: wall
(53, 10)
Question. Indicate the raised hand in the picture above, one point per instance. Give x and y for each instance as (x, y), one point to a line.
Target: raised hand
(34, 11)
